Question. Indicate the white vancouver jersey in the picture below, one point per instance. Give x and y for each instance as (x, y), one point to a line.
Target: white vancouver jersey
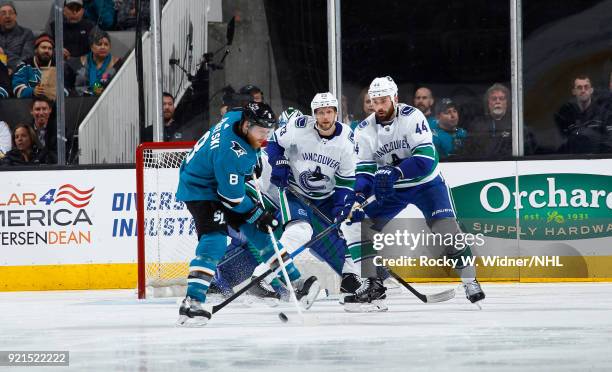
(408, 135)
(318, 165)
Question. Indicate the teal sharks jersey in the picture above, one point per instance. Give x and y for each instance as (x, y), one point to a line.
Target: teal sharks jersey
(217, 166)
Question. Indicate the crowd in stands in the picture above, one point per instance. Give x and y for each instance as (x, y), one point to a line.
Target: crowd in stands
(463, 133)
(472, 130)
(28, 68)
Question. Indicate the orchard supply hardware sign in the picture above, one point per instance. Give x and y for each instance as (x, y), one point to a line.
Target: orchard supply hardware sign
(556, 206)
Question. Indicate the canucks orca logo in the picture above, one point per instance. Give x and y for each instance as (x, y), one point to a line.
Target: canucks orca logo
(238, 149)
(406, 111)
(313, 180)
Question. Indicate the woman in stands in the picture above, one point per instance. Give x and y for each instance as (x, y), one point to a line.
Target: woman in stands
(91, 73)
(26, 149)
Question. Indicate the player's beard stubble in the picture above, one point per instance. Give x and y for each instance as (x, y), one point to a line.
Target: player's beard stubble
(384, 116)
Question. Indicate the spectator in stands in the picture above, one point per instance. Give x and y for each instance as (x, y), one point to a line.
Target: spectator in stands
(173, 130)
(582, 121)
(5, 139)
(253, 91)
(27, 77)
(76, 29)
(16, 41)
(491, 134)
(365, 102)
(424, 101)
(26, 149)
(43, 124)
(447, 136)
(126, 14)
(90, 74)
(100, 12)
(5, 79)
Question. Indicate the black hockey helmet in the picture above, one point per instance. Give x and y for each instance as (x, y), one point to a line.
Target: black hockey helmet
(260, 114)
(250, 89)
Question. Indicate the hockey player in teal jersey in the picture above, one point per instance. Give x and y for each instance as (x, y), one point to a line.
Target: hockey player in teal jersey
(212, 185)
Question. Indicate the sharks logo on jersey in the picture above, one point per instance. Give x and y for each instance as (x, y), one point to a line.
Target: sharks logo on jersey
(238, 149)
(313, 180)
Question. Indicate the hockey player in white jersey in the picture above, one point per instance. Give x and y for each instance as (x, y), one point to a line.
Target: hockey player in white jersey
(398, 164)
(314, 155)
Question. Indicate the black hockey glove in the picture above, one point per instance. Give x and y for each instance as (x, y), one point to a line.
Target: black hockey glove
(262, 219)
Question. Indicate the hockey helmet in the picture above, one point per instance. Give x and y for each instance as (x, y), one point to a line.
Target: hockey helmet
(259, 114)
(323, 100)
(288, 114)
(382, 87)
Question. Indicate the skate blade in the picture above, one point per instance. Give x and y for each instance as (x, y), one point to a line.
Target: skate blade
(308, 300)
(342, 297)
(375, 306)
(196, 321)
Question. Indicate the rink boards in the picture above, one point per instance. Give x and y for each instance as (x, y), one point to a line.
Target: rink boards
(76, 229)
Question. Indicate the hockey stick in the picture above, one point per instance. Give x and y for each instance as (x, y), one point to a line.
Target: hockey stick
(256, 280)
(436, 297)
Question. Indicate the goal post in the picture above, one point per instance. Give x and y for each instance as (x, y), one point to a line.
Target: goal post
(157, 173)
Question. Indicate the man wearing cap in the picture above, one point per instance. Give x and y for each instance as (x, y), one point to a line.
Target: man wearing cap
(447, 137)
(27, 77)
(16, 42)
(253, 91)
(76, 29)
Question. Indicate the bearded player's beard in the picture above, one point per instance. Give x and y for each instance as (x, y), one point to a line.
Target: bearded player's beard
(257, 144)
(383, 116)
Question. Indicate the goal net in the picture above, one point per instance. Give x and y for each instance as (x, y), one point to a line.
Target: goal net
(166, 231)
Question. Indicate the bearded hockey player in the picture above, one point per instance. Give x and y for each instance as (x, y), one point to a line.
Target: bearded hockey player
(212, 185)
(398, 164)
(314, 155)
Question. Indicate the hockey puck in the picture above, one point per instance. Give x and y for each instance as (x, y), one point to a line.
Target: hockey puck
(283, 317)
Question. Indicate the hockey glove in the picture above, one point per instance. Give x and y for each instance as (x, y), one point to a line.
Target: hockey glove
(342, 212)
(280, 173)
(384, 179)
(357, 214)
(262, 219)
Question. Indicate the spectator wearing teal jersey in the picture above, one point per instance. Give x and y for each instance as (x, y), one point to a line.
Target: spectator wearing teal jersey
(447, 136)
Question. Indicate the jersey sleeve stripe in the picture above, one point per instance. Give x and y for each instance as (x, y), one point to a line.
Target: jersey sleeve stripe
(231, 202)
(366, 168)
(346, 183)
(427, 151)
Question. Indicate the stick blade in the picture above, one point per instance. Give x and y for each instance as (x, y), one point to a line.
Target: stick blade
(441, 297)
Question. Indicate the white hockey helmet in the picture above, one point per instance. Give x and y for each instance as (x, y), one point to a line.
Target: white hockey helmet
(288, 114)
(382, 87)
(323, 100)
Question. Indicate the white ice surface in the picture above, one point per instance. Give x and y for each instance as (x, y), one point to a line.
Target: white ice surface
(522, 327)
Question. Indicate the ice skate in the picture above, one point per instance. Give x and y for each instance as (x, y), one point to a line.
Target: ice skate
(473, 291)
(306, 291)
(193, 313)
(350, 283)
(264, 292)
(370, 297)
